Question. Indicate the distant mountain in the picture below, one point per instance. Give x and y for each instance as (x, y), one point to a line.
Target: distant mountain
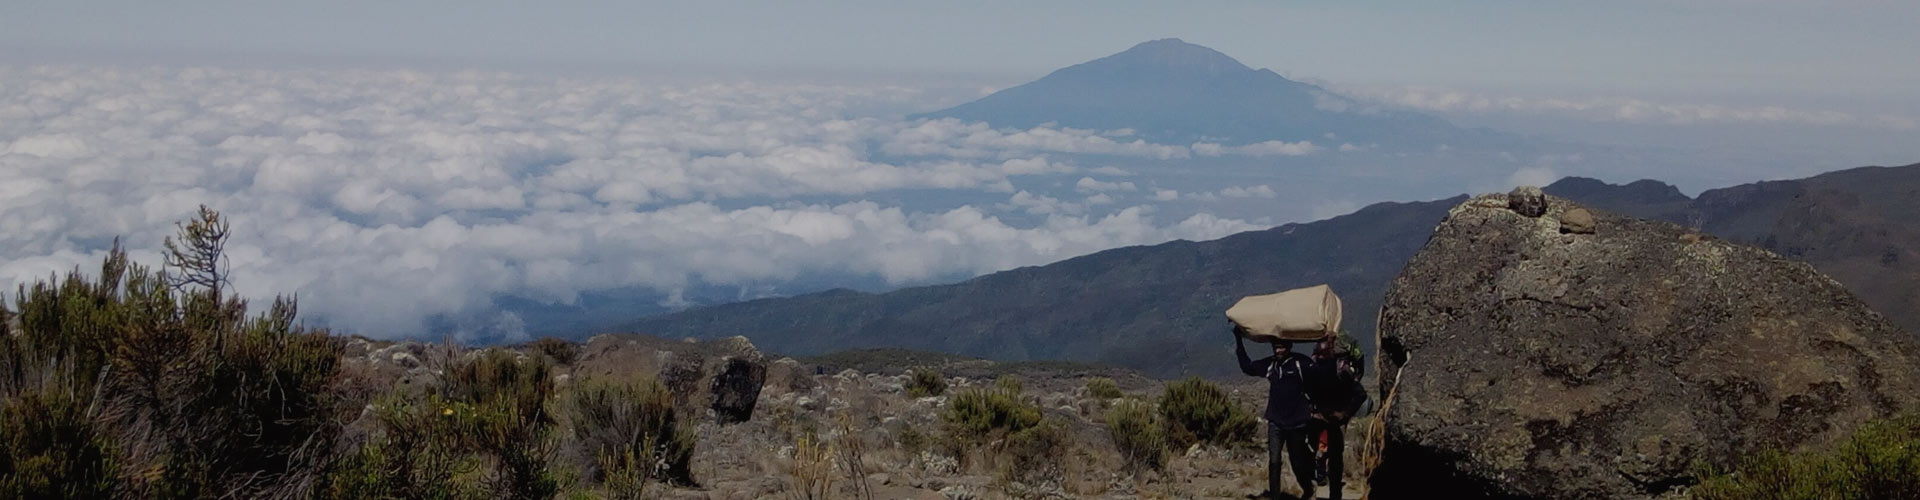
(1159, 308)
(1860, 226)
(1174, 92)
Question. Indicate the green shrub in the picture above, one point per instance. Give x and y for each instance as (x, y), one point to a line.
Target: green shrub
(1036, 454)
(925, 382)
(979, 415)
(1104, 388)
(497, 403)
(51, 447)
(982, 419)
(1138, 435)
(197, 399)
(633, 432)
(1197, 411)
(414, 455)
(910, 439)
(1880, 460)
(560, 352)
(1009, 383)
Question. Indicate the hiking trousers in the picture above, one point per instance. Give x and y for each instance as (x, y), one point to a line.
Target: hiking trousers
(1335, 456)
(1296, 441)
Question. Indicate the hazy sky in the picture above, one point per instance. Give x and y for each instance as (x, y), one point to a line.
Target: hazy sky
(391, 198)
(1808, 49)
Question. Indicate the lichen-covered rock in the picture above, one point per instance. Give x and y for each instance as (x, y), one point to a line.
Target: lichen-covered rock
(1528, 201)
(1576, 221)
(736, 388)
(1536, 364)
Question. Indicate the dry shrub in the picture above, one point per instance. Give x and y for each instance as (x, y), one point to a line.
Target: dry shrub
(415, 454)
(851, 449)
(1036, 455)
(1104, 388)
(981, 419)
(560, 352)
(810, 472)
(1197, 411)
(633, 431)
(497, 403)
(925, 382)
(1138, 435)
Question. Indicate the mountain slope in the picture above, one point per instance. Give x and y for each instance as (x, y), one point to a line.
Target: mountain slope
(1155, 308)
(1159, 308)
(1175, 92)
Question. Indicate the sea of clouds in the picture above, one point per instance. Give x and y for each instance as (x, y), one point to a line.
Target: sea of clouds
(388, 198)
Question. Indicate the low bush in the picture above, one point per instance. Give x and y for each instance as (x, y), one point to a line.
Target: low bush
(810, 473)
(560, 352)
(1197, 411)
(1138, 435)
(925, 382)
(52, 447)
(1036, 455)
(977, 417)
(497, 403)
(1009, 383)
(633, 430)
(414, 454)
(1880, 460)
(1103, 388)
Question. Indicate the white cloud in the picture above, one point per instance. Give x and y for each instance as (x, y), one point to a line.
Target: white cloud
(1088, 185)
(954, 138)
(1258, 149)
(386, 197)
(1532, 176)
(1620, 109)
(1259, 191)
(1041, 204)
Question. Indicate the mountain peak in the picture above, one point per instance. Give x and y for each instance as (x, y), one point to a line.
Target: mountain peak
(1172, 92)
(1174, 54)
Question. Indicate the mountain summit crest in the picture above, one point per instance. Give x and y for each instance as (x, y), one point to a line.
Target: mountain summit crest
(1175, 55)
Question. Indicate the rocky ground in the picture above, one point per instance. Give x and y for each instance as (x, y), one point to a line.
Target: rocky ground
(836, 398)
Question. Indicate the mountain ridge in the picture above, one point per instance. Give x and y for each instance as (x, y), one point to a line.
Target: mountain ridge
(1158, 308)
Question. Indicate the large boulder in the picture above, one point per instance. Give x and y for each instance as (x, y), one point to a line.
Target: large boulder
(724, 375)
(1525, 362)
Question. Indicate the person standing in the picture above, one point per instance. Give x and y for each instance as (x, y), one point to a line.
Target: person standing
(1333, 385)
(1288, 414)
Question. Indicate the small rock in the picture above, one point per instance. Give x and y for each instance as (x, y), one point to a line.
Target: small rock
(406, 360)
(1528, 201)
(1577, 221)
(958, 493)
(880, 478)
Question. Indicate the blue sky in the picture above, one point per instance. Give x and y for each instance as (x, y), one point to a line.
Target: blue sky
(1803, 49)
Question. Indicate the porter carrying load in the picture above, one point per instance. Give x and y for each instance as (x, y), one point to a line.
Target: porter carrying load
(1303, 314)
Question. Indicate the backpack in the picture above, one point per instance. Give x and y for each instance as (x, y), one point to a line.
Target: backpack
(1350, 362)
(1349, 367)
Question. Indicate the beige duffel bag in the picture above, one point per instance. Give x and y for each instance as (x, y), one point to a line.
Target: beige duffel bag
(1302, 314)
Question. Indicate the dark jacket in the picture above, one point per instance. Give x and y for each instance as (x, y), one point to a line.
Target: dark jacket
(1287, 403)
(1335, 395)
